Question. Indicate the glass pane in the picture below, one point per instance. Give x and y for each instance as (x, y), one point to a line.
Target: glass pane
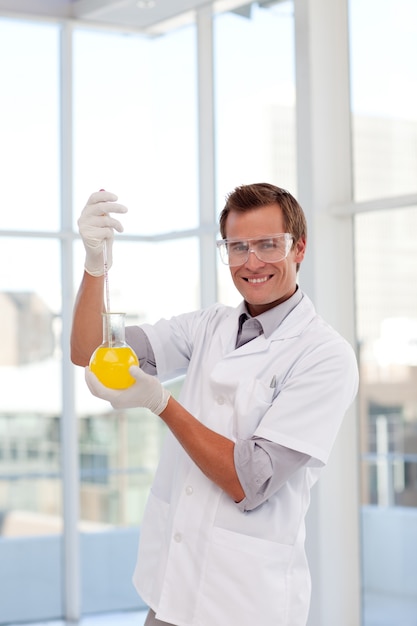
(30, 413)
(151, 280)
(384, 97)
(30, 365)
(119, 452)
(386, 273)
(255, 98)
(29, 124)
(135, 126)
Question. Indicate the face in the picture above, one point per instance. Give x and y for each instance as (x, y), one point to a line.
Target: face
(263, 285)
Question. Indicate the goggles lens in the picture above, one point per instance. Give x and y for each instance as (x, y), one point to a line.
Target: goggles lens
(268, 249)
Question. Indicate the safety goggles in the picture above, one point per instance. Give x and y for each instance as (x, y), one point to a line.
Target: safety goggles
(268, 249)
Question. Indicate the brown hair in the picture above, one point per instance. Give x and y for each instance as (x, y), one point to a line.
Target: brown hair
(251, 197)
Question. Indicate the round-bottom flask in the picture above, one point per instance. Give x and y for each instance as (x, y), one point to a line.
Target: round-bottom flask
(110, 362)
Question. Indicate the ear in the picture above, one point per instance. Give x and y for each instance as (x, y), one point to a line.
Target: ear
(300, 249)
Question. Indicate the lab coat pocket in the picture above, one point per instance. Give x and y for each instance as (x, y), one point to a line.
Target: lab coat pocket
(253, 399)
(255, 573)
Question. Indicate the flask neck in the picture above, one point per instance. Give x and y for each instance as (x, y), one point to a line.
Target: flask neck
(114, 329)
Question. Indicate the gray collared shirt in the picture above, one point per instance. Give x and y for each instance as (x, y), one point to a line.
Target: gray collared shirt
(266, 322)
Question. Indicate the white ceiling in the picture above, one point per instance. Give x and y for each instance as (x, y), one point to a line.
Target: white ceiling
(149, 16)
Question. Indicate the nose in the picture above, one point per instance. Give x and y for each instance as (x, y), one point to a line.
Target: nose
(253, 261)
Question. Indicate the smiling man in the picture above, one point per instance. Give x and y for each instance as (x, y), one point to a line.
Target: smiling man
(269, 224)
(267, 385)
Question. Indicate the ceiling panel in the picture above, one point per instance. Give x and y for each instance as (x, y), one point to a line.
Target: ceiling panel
(151, 16)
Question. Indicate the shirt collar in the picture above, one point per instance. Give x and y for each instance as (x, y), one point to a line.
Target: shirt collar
(270, 320)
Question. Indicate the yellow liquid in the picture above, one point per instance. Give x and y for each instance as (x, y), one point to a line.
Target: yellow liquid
(111, 366)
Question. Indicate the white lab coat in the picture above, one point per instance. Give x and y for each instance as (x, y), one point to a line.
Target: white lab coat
(201, 561)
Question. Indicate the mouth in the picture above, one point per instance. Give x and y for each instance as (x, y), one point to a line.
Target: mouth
(257, 281)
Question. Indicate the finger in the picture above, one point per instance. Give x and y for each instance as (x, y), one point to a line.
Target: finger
(104, 208)
(91, 380)
(96, 387)
(136, 372)
(100, 221)
(114, 224)
(102, 196)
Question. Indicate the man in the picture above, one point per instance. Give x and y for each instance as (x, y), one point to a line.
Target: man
(267, 386)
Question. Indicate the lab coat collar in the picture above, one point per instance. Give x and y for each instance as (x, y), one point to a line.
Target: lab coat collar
(292, 325)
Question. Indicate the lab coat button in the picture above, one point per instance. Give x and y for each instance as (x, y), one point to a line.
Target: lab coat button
(178, 537)
(220, 400)
(189, 490)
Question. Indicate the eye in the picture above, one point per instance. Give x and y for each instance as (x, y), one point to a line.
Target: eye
(268, 244)
(237, 247)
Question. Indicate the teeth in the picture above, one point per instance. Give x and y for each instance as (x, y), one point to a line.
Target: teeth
(258, 280)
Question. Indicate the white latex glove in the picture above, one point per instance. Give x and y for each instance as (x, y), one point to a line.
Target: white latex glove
(147, 392)
(96, 227)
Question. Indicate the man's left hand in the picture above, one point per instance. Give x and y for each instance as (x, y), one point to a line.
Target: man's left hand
(146, 392)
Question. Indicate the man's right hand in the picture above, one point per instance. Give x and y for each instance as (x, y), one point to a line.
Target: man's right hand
(96, 226)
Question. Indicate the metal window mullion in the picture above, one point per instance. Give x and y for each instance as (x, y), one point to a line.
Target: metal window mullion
(69, 439)
(377, 204)
(206, 156)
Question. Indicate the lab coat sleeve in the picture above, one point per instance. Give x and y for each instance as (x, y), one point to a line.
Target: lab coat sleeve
(173, 340)
(311, 402)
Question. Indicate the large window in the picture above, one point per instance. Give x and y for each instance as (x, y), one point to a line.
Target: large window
(132, 129)
(384, 105)
(30, 312)
(134, 133)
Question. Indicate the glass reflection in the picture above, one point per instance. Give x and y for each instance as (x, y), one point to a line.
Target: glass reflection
(29, 122)
(136, 141)
(387, 331)
(30, 360)
(384, 97)
(118, 455)
(256, 109)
